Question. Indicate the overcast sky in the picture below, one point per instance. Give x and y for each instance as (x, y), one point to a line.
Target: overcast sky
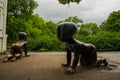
(88, 10)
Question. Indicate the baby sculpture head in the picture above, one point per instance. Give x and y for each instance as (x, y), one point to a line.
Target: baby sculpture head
(65, 31)
(22, 36)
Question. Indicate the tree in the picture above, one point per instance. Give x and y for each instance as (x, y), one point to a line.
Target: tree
(74, 19)
(35, 26)
(104, 41)
(113, 22)
(18, 13)
(51, 26)
(18, 8)
(68, 1)
(88, 29)
(14, 26)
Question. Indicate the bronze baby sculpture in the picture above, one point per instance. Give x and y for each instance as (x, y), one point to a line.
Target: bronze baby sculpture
(16, 48)
(83, 51)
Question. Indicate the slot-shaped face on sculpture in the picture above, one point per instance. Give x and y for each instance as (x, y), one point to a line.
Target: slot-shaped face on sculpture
(65, 31)
(22, 36)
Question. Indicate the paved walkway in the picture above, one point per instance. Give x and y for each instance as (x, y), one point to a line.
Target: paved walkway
(112, 56)
(47, 66)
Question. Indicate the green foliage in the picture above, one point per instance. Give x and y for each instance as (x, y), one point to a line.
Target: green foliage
(3, 53)
(18, 12)
(14, 26)
(107, 37)
(88, 29)
(34, 26)
(104, 41)
(113, 22)
(21, 8)
(117, 34)
(37, 21)
(74, 19)
(45, 43)
(42, 36)
(68, 1)
(52, 27)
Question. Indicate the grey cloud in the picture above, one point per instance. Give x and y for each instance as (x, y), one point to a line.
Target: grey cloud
(88, 10)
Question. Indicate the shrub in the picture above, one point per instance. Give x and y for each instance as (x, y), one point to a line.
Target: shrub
(104, 41)
(45, 44)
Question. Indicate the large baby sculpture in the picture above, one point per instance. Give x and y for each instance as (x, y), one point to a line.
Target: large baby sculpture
(83, 51)
(17, 47)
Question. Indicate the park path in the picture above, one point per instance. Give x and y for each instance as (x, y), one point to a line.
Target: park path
(47, 66)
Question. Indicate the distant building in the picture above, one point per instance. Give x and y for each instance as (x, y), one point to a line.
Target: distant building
(3, 36)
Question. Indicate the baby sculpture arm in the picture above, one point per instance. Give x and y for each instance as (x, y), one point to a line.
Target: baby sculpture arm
(68, 59)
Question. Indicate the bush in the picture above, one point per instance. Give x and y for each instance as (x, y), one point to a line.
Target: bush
(45, 43)
(104, 41)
